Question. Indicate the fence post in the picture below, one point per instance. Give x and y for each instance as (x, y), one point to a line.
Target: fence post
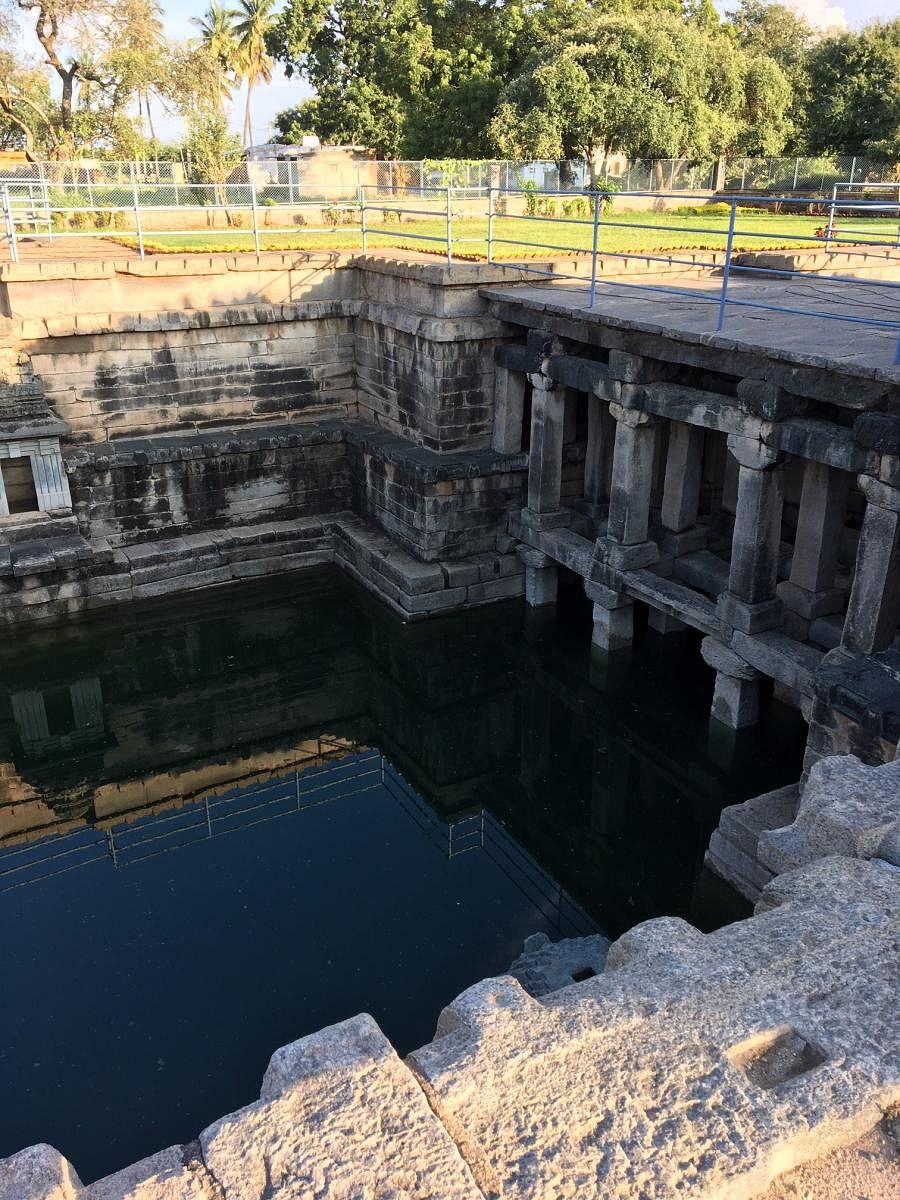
(672, 176)
(726, 270)
(830, 230)
(255, 213)
(137, 210)
(45, 199)
(449, 227)
(490, 199)
(594, 246)
(796, 173)
(743, 174)
(362, 208)
(10, 226)
(853, 168)
(421, 178)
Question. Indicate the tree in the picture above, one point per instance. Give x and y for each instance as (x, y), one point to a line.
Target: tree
(253, 21)
(369, 61)
(211, 149)
(655, 89)
(854, 105)
(773, 31)
(217, 38)
(102, 54)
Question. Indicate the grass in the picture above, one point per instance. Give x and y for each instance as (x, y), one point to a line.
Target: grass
(666, 232)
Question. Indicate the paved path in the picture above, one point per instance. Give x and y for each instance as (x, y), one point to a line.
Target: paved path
(68, 249)
(810, 340)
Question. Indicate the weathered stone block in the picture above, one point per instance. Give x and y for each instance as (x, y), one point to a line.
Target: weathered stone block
(339, 1111)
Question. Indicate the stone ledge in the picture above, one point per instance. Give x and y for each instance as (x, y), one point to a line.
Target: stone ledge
(54, 579)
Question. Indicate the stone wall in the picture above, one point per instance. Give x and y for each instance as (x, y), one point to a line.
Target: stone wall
(130, 490)
(198, 369)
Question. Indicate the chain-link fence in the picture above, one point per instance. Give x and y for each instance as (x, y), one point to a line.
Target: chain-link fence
(334, 178)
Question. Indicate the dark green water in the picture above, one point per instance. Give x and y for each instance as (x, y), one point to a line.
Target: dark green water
(277, 806)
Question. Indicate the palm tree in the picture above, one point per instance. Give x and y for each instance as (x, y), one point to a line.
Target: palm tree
(252, 21)
(218, 36)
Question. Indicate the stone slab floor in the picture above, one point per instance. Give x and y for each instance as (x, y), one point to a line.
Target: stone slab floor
(813, 341)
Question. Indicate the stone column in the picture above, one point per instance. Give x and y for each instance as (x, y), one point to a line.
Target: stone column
(750, 604)
(632, 482)
(545, 455)
(541, 577)
(736, 694)
(874, 607)
(509, 409)
(599, 454)
(681, 493)
(570, 419)
(810, 591)
(613, 615)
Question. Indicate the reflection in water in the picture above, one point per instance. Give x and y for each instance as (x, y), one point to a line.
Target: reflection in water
(222, 827)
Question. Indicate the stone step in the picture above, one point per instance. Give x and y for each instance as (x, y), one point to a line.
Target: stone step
(34, 527)
(743, 823)
(741, 870)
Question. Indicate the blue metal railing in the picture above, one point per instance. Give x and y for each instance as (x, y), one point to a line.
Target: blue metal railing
(397, 217)
(882, 232)
(852, 242)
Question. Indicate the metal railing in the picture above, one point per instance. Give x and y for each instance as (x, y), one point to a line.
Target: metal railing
(510, 223)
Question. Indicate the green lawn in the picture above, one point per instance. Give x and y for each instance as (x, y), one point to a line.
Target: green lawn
(666, 232)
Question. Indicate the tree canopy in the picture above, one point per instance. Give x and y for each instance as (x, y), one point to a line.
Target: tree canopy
(90, 63)
(552, 78)
(854, 104)
(665, 88)
(458, 78)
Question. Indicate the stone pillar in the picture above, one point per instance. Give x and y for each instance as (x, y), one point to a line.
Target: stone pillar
(570, 418)
(599, 454)
(681, 493)
(87, 703)
(541, 577)
(750, 604)
(545, 455)
(874, 607)
(509, 410)
(30, 715)
(736, 694)
(810, 591)
(632, 475)
(613, 618)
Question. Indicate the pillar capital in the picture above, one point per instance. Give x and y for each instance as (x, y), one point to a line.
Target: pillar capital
(767, 400)
(632, 417)
(882, 494)
(753, 454)
(534, 558)
(722, 658)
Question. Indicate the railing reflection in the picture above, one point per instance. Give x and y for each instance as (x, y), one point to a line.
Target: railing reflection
(351, 771)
